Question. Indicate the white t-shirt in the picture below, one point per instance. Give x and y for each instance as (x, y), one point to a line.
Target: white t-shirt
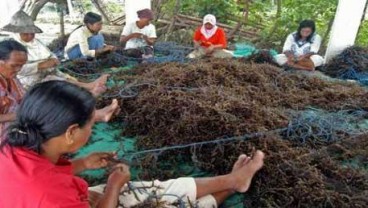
(301, 48)
(131, 28)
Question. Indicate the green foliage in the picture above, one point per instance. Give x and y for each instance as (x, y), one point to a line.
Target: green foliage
(263, 12)
(362, 39)
(220, 8)
(292, 12)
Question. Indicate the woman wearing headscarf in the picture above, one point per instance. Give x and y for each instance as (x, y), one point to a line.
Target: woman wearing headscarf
(301, 48)
(41, 62)
(210, 40)
(139, 36)
(87, 41)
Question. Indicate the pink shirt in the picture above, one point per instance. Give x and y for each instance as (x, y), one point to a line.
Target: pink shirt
(11, 94)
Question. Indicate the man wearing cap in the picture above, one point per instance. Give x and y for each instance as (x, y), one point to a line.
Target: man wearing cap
(140, 36)
(41, 62)
(210, 40)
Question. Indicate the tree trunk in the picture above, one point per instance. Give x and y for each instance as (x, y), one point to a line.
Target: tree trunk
(240, 23)
(33, 7)
(278, 15)
(62, 23)
(171, 26)
(157, 6)
(100, 8)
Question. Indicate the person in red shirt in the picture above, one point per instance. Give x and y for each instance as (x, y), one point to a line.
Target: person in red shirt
(210, 40)
(56, 118)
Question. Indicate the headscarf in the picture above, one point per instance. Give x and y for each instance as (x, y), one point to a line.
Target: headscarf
(209, 18)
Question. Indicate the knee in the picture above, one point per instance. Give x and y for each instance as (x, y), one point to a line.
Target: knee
(317, 60)
(280, 59)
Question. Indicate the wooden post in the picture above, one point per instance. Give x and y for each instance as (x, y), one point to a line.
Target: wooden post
(345, 27)
(240, 23)
(171, 26)
(62, 23)
(101, 10)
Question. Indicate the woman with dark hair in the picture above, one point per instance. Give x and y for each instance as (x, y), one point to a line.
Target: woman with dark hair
(301, 48)
(87, 41)
(13, 56)
(56, 118)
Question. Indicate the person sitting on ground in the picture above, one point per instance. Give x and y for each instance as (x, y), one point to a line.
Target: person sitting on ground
(13, 56)
(139, 36)
(41, 61)
(301, 48)
(210, 40)
(56, 118)
(86, 40)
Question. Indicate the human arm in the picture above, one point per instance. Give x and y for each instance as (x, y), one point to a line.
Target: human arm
(128, 34)
(149, 40)
(315, 46)
(8, 117)
(93, 161)
(219, 43)
(84, 45)
(117, 179)
(287, 47)
(126, 38)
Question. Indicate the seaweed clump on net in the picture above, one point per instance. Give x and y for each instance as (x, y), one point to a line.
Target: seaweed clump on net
(351, 63)
(171, 104)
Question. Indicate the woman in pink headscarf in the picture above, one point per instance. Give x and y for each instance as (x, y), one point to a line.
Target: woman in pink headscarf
(210, 40)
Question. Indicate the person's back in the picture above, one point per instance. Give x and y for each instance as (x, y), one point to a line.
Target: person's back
(30, 180)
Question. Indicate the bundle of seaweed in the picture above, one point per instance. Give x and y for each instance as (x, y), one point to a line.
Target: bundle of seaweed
(169, 105)
(352, 63)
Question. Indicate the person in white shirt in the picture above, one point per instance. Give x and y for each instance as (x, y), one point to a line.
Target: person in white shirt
(41, 63)
(301, 48)
(86, 40)
(140, 36)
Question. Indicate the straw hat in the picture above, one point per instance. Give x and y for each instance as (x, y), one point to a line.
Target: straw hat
(21, 23)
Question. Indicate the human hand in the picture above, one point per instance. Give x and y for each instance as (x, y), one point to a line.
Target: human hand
(49, 63)
(109, 48)
(210, 49)
(119, 175)
(137, 35)
(98, 160)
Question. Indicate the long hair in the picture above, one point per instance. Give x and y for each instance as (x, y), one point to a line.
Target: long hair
(47, 111)
(306, 24)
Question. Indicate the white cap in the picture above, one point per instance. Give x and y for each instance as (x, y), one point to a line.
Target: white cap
(209, 18)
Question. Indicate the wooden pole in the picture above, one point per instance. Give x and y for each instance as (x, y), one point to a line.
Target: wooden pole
(62, 23)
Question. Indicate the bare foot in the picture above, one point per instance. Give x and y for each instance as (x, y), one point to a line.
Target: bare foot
(98, 86)
(106, 113)
(242, 160)
(244, 170)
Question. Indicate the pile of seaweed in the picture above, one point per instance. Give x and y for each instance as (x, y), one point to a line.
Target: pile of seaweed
(190, 112)
(352, 63)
